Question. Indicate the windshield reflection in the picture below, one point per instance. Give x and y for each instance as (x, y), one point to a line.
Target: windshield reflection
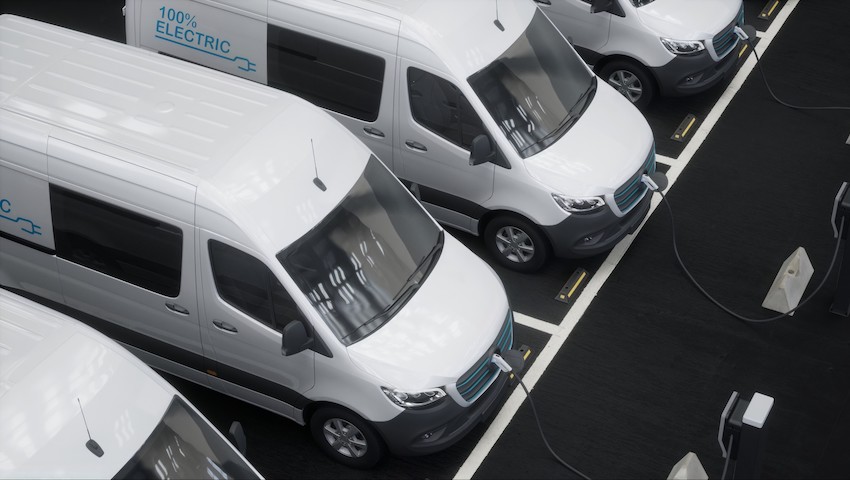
(184, 446)
(537, 89)
(367, 257)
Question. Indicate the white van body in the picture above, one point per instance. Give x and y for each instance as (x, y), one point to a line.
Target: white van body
(75, 404)
(558, 168)
(239, 237)
(648, 47)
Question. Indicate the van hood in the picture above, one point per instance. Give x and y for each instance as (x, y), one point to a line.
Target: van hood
(604, 148)
(448, 324)
(690, 20)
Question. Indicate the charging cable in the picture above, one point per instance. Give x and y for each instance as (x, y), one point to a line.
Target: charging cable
(746, 37)
(649, 183)
(505, 367)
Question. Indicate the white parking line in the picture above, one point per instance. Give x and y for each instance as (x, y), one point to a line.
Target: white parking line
(563, 330)
(534, 323)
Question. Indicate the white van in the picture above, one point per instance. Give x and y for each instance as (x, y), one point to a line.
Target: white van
(481, 108)
(75, 404)
(239, 237)
(648, 47)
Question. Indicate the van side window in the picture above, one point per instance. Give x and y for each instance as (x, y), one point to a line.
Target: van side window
(439, 106)
(115, 241)
(332, 76)
(247, 284)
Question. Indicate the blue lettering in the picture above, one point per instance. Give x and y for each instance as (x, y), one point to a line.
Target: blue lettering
(5, 206)
(208, 42)
(225, 46)
(161, 27)
(189, 35)
(178, 32)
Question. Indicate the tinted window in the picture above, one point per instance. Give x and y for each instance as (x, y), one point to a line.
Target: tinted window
(439, 106)
(184, 446)
(537, 89)
(246, 283)
(367, 258)
(331, 76)
(115, 241)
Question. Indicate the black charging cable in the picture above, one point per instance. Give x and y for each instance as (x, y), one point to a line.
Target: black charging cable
(728, 310)
(746, 38)
(507, 368)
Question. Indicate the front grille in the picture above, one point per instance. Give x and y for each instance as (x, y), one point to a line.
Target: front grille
(726, 40)
(476, 380)
(632, 191)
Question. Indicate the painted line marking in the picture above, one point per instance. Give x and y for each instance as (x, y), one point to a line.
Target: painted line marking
(563, 330)
(534, 323)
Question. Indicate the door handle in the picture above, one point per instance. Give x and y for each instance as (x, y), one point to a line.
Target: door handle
(416, 146)
(177, 308)
(224, 326)
(374, 132)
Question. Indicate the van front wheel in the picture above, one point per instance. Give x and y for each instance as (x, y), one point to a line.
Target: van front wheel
(631, 80)
(346, 437)
(516, 243)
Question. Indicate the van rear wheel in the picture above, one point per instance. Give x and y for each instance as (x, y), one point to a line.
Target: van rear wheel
(631, 80)
(516, 243)
(346, 437)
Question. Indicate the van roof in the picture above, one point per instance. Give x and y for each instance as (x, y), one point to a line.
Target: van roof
(50, 363)
(241, 144)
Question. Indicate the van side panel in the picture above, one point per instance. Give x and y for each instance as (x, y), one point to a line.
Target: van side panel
(26, 231)
(232, 41)
(109, 249)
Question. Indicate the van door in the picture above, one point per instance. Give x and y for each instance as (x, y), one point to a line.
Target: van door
(245, 311)
(120, 257)
(436, 128)
(352, 81)
(583, 29)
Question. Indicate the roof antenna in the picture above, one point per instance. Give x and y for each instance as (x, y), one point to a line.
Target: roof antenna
(496, 21)
(91, 444)
(317, 181)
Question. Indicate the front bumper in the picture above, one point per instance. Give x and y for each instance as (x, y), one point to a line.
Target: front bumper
(686, 75)
(422, 432)
(586, 235)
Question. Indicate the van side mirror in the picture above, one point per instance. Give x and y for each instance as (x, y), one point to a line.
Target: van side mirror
(482, 150)
(295, 339)
(236, 435)
(610, 6)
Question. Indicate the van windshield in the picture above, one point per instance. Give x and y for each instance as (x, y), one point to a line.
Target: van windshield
(537, 89)
(184, 446)
(367, 258)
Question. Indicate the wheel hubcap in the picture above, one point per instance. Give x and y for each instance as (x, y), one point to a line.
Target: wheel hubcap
(627, 83)
(345, 438)
(514, 244)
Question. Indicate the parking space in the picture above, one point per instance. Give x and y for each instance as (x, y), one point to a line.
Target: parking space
(281, 449)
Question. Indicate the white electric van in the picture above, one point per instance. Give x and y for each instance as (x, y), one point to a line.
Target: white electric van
(75, 404)
(481, 108)
(648, 47)
(239, 237)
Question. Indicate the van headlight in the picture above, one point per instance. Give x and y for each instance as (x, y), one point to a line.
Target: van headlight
(414, 399)
(578, 204)
(683, 47)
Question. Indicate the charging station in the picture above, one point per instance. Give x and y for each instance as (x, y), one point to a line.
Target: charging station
(841, 215)
(742, 434)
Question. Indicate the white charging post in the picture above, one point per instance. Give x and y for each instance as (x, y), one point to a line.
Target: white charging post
(743, 434)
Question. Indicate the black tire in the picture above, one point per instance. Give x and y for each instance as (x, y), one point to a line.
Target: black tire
(346, 437)
(630, 79)
(516, 243)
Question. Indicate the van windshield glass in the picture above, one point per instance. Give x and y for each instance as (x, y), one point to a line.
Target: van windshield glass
(367, 257)
(537, 89)
(184, 446)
